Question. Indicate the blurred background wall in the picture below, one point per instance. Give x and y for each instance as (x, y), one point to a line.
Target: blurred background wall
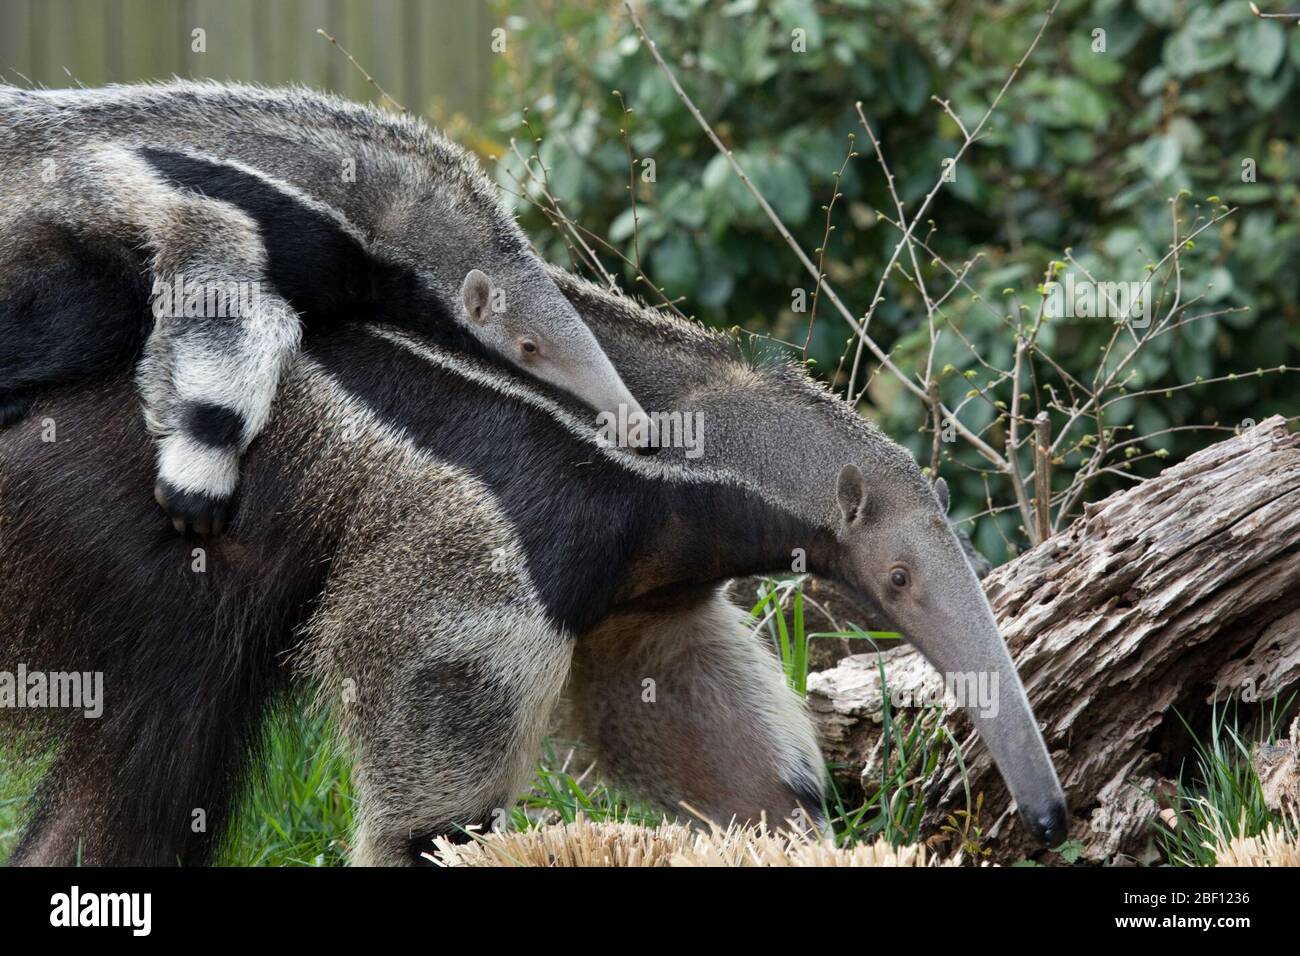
(432, 55)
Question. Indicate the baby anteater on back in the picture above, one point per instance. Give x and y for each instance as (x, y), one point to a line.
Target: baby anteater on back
(200, 228)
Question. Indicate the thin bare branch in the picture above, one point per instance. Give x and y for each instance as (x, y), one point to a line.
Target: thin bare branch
(362, 70)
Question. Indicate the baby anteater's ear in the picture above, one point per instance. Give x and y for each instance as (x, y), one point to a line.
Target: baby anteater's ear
(851, 491)
(941, 494)
(476, 293)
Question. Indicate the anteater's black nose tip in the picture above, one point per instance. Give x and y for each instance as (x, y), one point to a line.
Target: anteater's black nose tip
(1051, 826)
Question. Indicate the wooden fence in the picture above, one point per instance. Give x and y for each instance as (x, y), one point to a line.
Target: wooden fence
(432, 55)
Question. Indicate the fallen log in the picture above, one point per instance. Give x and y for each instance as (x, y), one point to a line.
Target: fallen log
(1159, 600)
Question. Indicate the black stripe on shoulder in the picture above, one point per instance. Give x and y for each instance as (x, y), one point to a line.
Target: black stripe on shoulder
(586, 520)
(554, 489)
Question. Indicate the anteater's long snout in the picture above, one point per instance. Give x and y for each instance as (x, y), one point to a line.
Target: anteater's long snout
(621, 416)
(964, 645)
(1050, 827)
(1011, 733)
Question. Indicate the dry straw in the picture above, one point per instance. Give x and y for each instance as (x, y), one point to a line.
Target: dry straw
(1277, 845)
(585, 843)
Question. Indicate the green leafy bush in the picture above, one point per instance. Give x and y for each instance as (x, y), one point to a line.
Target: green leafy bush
(1084, 152)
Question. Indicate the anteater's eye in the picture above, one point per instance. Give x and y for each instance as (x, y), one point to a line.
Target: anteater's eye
(528, 347)
(898, 577)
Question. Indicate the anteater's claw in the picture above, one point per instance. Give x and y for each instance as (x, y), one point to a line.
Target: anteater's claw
(206, 515)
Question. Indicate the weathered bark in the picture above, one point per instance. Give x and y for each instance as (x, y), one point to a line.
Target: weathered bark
(1158, 599)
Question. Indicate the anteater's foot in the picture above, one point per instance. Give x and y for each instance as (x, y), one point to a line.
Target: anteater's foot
(192, 510)
(15, 405)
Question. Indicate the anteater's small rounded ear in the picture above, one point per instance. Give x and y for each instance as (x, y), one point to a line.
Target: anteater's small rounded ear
(476, 293)
(851, 491)
(941, 492)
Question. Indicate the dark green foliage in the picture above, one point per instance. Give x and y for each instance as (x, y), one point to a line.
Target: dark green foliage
(1084, 152)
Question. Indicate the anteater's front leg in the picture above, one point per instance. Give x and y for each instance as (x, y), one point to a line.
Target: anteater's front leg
(213, 362)
(447, 731)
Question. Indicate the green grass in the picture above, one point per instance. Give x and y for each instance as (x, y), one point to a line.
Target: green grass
(1219, 795)
(914, 741)
(894, 805)
(298, 812)
(790, 639)
(558, 796)
(17, 781)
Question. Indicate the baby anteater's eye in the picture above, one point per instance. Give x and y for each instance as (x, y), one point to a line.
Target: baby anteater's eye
(898, 577)
(528, 347)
